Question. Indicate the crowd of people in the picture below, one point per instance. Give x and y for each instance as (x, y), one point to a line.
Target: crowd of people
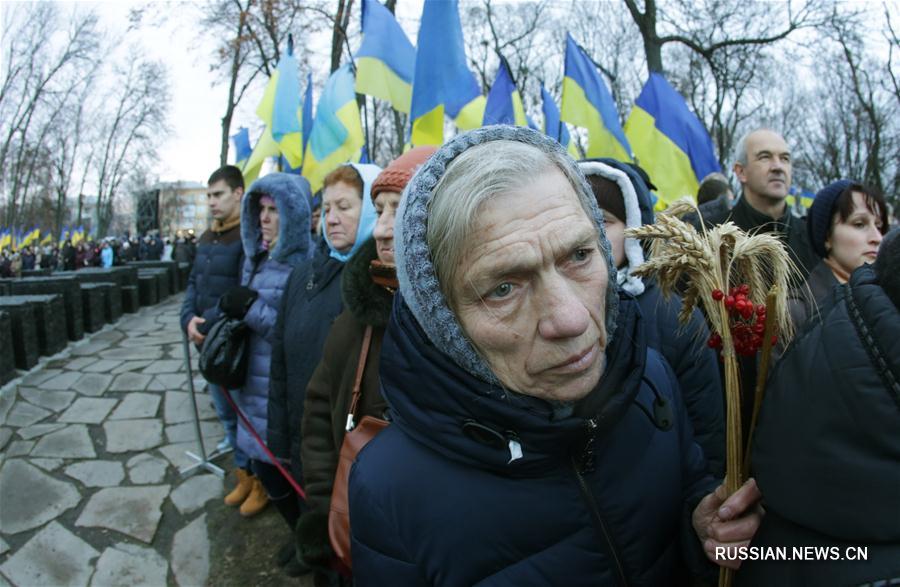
(543, 417)
(106, 252)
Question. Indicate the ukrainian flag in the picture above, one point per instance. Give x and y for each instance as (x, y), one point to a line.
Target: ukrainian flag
(586, 102)
(442, 82)
(5, 239)
(32, 236)
(64, 234)
(78, 235)
(386, 60)
(283, 113)
(670, 143)
(242, 150)
(307, 117)
(48, 239)
(337, 134)
(554, 127)
(806, 198)
(504, 104)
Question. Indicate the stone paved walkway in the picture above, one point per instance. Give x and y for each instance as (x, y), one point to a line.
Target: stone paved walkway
(92, 444)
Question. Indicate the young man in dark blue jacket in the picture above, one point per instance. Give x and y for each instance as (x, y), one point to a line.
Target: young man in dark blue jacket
(217, 267)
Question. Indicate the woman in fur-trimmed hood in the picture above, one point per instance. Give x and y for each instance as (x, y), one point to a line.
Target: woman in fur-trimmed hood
(624, 196)
(534, 437)
(273, 215)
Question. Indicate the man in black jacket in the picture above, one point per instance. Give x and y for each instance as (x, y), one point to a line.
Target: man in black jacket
(763, 166)
(217, 269)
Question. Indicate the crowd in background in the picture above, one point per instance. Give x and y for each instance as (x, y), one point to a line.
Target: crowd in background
(106, 252)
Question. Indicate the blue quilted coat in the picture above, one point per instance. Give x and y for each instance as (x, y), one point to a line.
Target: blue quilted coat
(291, 194)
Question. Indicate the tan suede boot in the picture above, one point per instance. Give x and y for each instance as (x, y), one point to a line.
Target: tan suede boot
(242, 490)
(256, 501)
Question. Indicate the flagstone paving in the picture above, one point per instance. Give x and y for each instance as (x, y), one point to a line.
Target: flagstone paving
(92, 443)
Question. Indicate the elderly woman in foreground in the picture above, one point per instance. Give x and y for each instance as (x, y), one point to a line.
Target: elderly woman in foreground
(535, 439)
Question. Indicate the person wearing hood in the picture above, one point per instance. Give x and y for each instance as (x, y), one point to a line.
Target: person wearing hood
(846, 223)
(534, 436)
(826, 452)
(368, 284)
(624, 196)
(312, 300)
(272, 216)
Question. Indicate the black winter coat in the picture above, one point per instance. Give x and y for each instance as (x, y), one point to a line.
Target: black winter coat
(827, 450)
(216, 270)
(311, 302)
(602, 496)
(695, 365)
(791, 229)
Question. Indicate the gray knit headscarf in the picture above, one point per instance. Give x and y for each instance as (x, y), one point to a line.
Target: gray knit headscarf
(415, 271)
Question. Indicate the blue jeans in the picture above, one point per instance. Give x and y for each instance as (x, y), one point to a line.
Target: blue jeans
(229, 421)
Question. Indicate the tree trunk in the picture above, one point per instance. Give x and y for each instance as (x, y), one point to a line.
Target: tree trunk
(337, 36)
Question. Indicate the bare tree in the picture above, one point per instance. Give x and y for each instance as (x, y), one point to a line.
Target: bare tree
(36, 73)
(252, 34)
(130, 134)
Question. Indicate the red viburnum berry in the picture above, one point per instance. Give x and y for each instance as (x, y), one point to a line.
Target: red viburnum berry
(717, 294)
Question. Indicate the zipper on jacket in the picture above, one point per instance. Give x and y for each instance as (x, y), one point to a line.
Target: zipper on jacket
(587, 461)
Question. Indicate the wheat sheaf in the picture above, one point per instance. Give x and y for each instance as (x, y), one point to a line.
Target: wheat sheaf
(705, 266)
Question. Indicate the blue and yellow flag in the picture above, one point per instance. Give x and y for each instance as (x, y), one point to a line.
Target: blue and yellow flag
(31, 237)
(806, 198)
(337, 134)
(442, 83)
(64, 234)
(5, 239)
(669, 142)
(283, 114)
(78, 235)
(242, 150)
(504, 103)
(307, 117)
(586, 102)
(386, 60)
(47, 239)
(555, 127)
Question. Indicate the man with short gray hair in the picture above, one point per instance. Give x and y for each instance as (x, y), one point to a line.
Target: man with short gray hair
(763, 165)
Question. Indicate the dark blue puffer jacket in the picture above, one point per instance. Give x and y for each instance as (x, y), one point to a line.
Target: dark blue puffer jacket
(312, 300)
(695, 366)
(217, 268)
(293, 247)
(599, 497)
(826, 454)
(683, 347)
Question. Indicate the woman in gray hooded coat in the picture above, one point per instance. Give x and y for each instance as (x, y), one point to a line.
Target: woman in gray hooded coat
(624, 196)
(274, 221)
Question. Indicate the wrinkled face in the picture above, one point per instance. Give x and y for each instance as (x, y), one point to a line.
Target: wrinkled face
(386, 204)
(342, 204)
(615, 233)
(224, 202)
(768, 170)
(531, 291)
(268, 219)
(856, 241)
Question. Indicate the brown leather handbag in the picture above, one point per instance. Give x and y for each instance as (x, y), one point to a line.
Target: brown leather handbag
(357, 436)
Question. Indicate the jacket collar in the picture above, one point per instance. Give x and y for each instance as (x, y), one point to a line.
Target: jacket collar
(466, 419)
